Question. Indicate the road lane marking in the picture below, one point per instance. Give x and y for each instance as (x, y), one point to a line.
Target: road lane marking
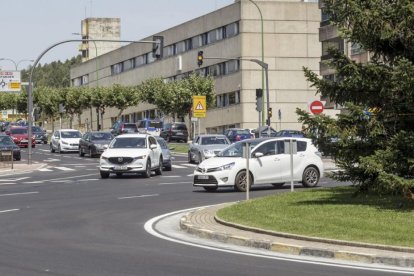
(13, 194)
(170, 176)
(178, 167)
(64, 168)
(45, 170)
(7, 184)
(11, 210)
(92, 179)
(127, 197)
(13, 179)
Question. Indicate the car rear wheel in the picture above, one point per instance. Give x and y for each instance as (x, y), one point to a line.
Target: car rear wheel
(190, 160)
(168, 168)
(104, 174)
(147, 173)
(158, 171)
(52, 150)
(240, 183)
(90, 153)
(81, 154)
(310, 177)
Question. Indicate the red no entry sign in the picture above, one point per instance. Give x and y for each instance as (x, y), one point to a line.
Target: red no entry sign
(316, 107)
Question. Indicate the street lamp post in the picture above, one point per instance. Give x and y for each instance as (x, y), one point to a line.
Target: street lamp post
(263, 71)
(16, 64)
(30, 91)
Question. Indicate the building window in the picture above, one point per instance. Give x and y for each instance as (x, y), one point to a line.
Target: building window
(128, 64)
(356, 49)
(85, 79)
(169, 50)
(215, 70)
(180, 47)
(199, 41)
(232, 29)
(214, 35)
(77, 82)
(141, 60)
(231, 66)
(116, 69)
(150, 58)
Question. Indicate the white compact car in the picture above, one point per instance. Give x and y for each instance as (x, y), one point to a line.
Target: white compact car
(132, 153)
(269, 163)
(65, 140)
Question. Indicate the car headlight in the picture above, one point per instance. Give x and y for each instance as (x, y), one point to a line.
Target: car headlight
(140, 157)
(65, 143)
(208, 152)
(99, 146)
(226, 167)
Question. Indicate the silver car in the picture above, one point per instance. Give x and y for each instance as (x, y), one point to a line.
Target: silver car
(206, 146)
(166, 154)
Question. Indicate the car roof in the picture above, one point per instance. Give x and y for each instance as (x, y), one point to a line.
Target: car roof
(68, 129)
(135, 135)
(210, 135)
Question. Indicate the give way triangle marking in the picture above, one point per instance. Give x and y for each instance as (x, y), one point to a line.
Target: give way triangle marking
(199, 106)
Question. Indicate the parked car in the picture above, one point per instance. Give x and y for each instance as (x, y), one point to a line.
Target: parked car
(121, 128)
(40, 135)
(7, 144)
(20, 136)
(290, 133)
(132, 153)
(149, 126)
(206, 146)
(64, 140)
(238, 134)
(175, 132)
(166, 154)
(269, 163)
(94, 143)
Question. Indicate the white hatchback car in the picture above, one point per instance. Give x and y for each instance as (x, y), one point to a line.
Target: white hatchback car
(269, 163)
(64, 140)
(132, 153)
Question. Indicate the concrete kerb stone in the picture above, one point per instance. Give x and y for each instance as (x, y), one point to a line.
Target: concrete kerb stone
(22, 168)
(284, 248)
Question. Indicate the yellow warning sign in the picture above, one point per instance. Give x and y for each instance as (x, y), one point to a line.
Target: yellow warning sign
(199, 106)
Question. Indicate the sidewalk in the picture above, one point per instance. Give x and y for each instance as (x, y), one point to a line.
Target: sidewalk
(21, 167)
(203, 223)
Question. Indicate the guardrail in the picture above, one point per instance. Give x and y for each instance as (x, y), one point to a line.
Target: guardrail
(6, 159)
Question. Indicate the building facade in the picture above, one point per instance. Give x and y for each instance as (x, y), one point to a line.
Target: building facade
(99, 28)
(291, 42)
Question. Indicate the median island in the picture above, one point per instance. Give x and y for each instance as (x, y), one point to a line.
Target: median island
(332, 213)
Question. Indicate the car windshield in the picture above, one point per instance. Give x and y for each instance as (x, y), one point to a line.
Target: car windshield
(180, 127)
(243, 132)
(70, 134)
(18, 131)
(101, 136)
(36, 129)
(130, 126)
(236, 150)
(128, 142)
(155, 124)
(6, 141)
(162, 143)
(214, 141)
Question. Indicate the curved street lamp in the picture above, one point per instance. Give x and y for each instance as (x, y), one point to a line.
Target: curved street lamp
(16, 64)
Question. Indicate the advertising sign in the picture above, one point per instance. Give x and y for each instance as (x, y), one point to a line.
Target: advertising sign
(10, 81)
(199, 106)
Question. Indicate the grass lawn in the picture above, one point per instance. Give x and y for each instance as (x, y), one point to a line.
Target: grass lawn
(179, 147)
(335, 213)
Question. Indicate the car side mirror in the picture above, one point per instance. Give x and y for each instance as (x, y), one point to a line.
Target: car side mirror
(153, 146)
(258, 154)
(195, 144)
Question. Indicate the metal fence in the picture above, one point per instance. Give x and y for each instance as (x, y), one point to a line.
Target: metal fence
(6, 159)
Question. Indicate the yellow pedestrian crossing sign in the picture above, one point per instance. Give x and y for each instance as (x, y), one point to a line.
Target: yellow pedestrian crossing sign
(199, 106)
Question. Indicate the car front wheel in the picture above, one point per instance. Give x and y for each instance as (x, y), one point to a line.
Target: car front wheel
(52, 150)
(240, 183)
(147, 173)
(310, 177)
(159, 170)
(104, 174)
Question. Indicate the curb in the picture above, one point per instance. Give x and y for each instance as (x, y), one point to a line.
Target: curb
(285, 248)
(25, 169)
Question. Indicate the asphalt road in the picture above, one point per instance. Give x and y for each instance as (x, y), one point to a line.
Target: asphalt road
(65, 220)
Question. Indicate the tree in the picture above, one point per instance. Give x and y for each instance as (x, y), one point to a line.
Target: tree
(373, 141)
(122, 97)
(48, 99)
(99, 100)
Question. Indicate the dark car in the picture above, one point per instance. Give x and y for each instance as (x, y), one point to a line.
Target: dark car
(290, 133)
(175, 132)
(94, 143)
(121, 128)
(237, 134)
(7, 144)
(40, 135)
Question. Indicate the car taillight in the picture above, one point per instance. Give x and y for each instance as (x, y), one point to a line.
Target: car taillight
(238, 138)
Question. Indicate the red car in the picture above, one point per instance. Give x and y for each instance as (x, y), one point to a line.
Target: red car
(20, 137)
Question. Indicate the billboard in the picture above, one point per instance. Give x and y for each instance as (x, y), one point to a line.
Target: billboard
(10, 81)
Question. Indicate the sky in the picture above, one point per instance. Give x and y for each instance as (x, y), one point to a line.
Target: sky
(31, 26)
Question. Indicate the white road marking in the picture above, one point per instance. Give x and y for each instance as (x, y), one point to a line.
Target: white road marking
(64, 169)
(13, 194)
(13, 179)
(190, 174)
(189, 165)
(70, 177)
(127, 197)
(33, 182)
(171, 176)
(11, 210)
(92, 179)
(52, 160)
(178, 167)
(45, 170)
(7, 184)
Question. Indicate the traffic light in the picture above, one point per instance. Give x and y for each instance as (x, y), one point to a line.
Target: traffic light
(200, 58)
(157, 46)
(269, 113)
(259, 99)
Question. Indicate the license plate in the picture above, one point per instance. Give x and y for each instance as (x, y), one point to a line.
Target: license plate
(25, 141)
(121, 168)
(202, 176)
